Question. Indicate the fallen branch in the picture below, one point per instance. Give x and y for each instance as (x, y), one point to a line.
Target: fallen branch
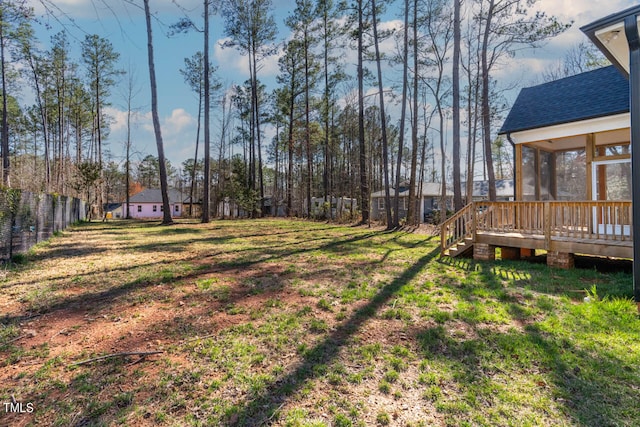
(142, 355)
(16, 339)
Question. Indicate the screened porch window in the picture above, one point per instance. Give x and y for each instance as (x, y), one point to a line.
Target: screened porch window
(559, 175)
(529, 173)
(547, 189)
(571, 175)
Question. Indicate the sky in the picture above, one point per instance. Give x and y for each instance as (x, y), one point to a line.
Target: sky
(123, 24)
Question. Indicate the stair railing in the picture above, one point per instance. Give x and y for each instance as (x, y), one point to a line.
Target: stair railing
(457, 228)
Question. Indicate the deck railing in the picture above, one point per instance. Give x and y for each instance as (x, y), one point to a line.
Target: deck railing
(581, 220)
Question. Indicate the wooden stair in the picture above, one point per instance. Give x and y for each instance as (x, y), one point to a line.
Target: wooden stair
(457, 233)
(463, 248)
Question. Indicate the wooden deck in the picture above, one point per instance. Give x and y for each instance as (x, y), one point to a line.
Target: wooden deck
(589, 227)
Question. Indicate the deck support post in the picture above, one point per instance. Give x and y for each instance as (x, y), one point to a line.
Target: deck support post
(510, 253)
(560, 260)
(633, 38)
(484, 252)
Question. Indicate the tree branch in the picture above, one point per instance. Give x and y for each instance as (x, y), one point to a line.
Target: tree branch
(142, 355)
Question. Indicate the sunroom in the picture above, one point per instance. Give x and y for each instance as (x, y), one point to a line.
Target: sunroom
(571, 141)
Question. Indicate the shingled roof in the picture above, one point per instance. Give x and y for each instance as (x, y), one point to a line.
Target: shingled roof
(154, 195)
(598, 93)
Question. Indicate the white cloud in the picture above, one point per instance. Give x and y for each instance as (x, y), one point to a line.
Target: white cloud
(178, 134)
(395, 25)
(529, 64)
(234, 63)
(178, 121)
(118, 119)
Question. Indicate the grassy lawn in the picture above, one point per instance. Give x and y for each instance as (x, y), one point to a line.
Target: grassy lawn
(292, 323)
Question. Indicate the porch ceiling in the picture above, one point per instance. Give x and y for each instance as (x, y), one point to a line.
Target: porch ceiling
(607, 130)
(618, 136)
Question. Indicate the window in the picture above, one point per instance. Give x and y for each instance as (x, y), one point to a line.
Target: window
(571, 175)
(155, 208)
(529, 173)
(546, 176)
(177, 208)
(139, 208)
(380, 203)
(161, 208)
(613, 180)
(618, 150)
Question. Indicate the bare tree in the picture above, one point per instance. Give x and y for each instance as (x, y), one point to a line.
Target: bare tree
(364, 179)
(131, 92)
(383, 118)
(506, 25)
(457, 190)
(403, 112)
(411, 209)
(166, 219)
(439, 29)
(206, 210)
(251, 27)
(578, 59)
(14, 16)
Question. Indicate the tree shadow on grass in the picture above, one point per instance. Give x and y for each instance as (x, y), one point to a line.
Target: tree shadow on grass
(256, 255)
(611, 276)
(259, 409)
(558, 370)
(582, 377)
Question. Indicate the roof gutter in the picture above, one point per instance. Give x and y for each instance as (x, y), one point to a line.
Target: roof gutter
(633, 38)
(629, 19)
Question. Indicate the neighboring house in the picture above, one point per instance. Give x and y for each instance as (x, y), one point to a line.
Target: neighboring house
(229, 208)
(270, 204)
(148, 204)
(341, 207)
(428, 202)
(572, 175)
(504, 190)
(192, 210)
(114, 210)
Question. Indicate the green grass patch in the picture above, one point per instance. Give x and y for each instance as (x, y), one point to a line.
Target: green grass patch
(309, 324)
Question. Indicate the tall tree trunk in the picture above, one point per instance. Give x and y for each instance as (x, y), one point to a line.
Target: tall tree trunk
(274, 196)
(457, 191)
(443, 188)
(156, 120)
(127, 163)
(307, 123)
(364, 185)
(6, 165)
(411, 209)
(99, 136)
(327, 160)
(257, 129)
(221, 164)
(486, 107)
(403, 114)
(207, 103)
(43, 116)
(383, 120)
(195, 156)
(290, 147)
(472, 122)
